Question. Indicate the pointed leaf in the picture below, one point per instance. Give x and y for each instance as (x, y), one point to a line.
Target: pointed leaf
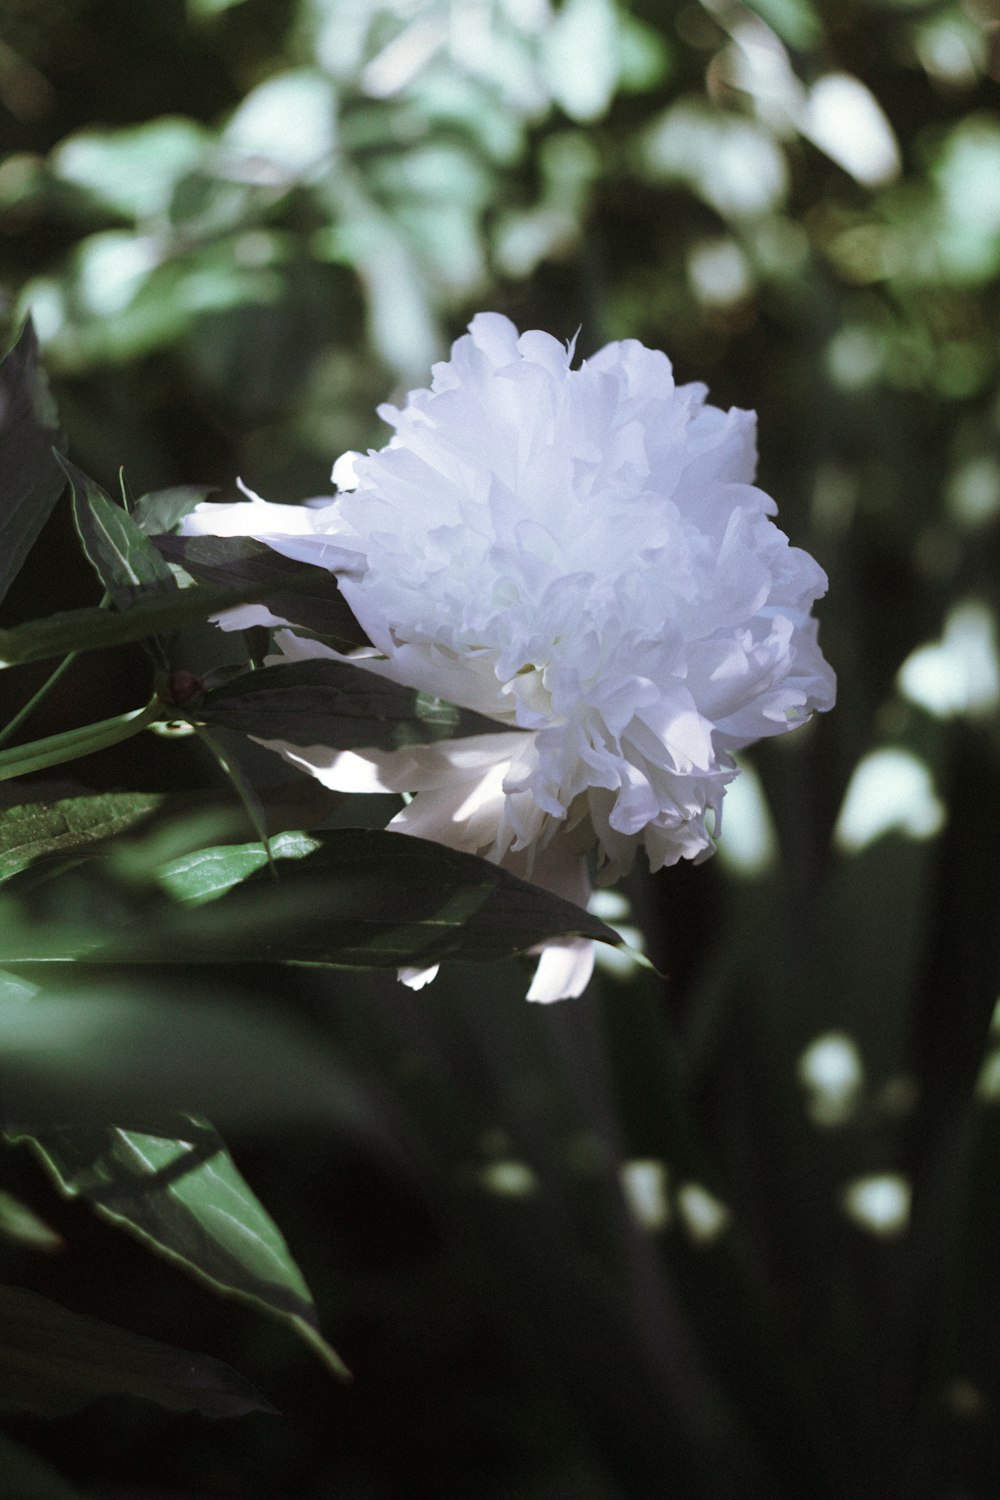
(377, 898)
(123, 558)
(186, 1199)
(30, 478)
(364, 897)
(53, 1361)
(302, 595)
(337, 704)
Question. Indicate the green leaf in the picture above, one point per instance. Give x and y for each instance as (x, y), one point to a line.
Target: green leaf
(160, 510)
(305, 596)
(143, 1054)
(337, 704)
(35, 829)
(206, 874)
(125, 561)
(53, 1361)
(20, 1225)
(95, 629)
(186, 1200)
(30, 478)
(797, 22)
(364, 897)
(131, 171)
(72, 744)
(199, 9)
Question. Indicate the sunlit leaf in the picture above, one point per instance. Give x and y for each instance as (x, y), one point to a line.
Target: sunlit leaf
(187, 1201)
(160, 510)
(124, 560)
(20, 1225)
(288, 122)
(207, 873)
(53, 1361)
(198, 9)
(30, 478)
(796, 21)
(132, 170)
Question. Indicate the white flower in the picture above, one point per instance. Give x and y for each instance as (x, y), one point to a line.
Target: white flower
(580, 554)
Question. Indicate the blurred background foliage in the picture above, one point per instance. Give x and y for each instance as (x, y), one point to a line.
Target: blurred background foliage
(734, 1235)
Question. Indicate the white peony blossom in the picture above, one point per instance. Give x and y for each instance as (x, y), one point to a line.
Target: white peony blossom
(581, 555)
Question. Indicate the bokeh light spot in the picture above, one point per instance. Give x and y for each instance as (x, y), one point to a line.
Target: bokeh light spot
(891, 790)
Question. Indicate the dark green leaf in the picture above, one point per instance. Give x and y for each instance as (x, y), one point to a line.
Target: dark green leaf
(371, 898)
(187, 1201)
(39, 828)
(143, 1054)
(28, 1477)
(365, 898)
(94, 629)
(296, 592)
(30, 478)
(125, 561)
(53, 1361)
(336, 704)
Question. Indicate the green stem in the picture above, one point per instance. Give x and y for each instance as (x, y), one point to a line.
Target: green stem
(23, 714)
(75, 743)
(243, 789)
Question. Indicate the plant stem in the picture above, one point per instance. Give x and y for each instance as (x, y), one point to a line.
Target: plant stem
(72, 744)
(23, 714)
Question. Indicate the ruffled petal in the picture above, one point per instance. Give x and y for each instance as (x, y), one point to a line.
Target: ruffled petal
(582, 555)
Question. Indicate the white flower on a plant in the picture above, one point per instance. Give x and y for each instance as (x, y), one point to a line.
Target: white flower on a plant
(582, 555)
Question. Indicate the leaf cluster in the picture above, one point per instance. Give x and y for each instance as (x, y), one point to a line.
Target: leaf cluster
(109, 1080)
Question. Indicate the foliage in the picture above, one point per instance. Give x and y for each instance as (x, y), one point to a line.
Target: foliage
(734, 1233)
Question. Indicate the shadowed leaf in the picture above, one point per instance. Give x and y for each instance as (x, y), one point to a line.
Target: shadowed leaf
(94, 629)
(29, 1477)
(54, 1361)
(296, 592)
(30, 478)
(141, 1056)
(364, 898)
(336, 704)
